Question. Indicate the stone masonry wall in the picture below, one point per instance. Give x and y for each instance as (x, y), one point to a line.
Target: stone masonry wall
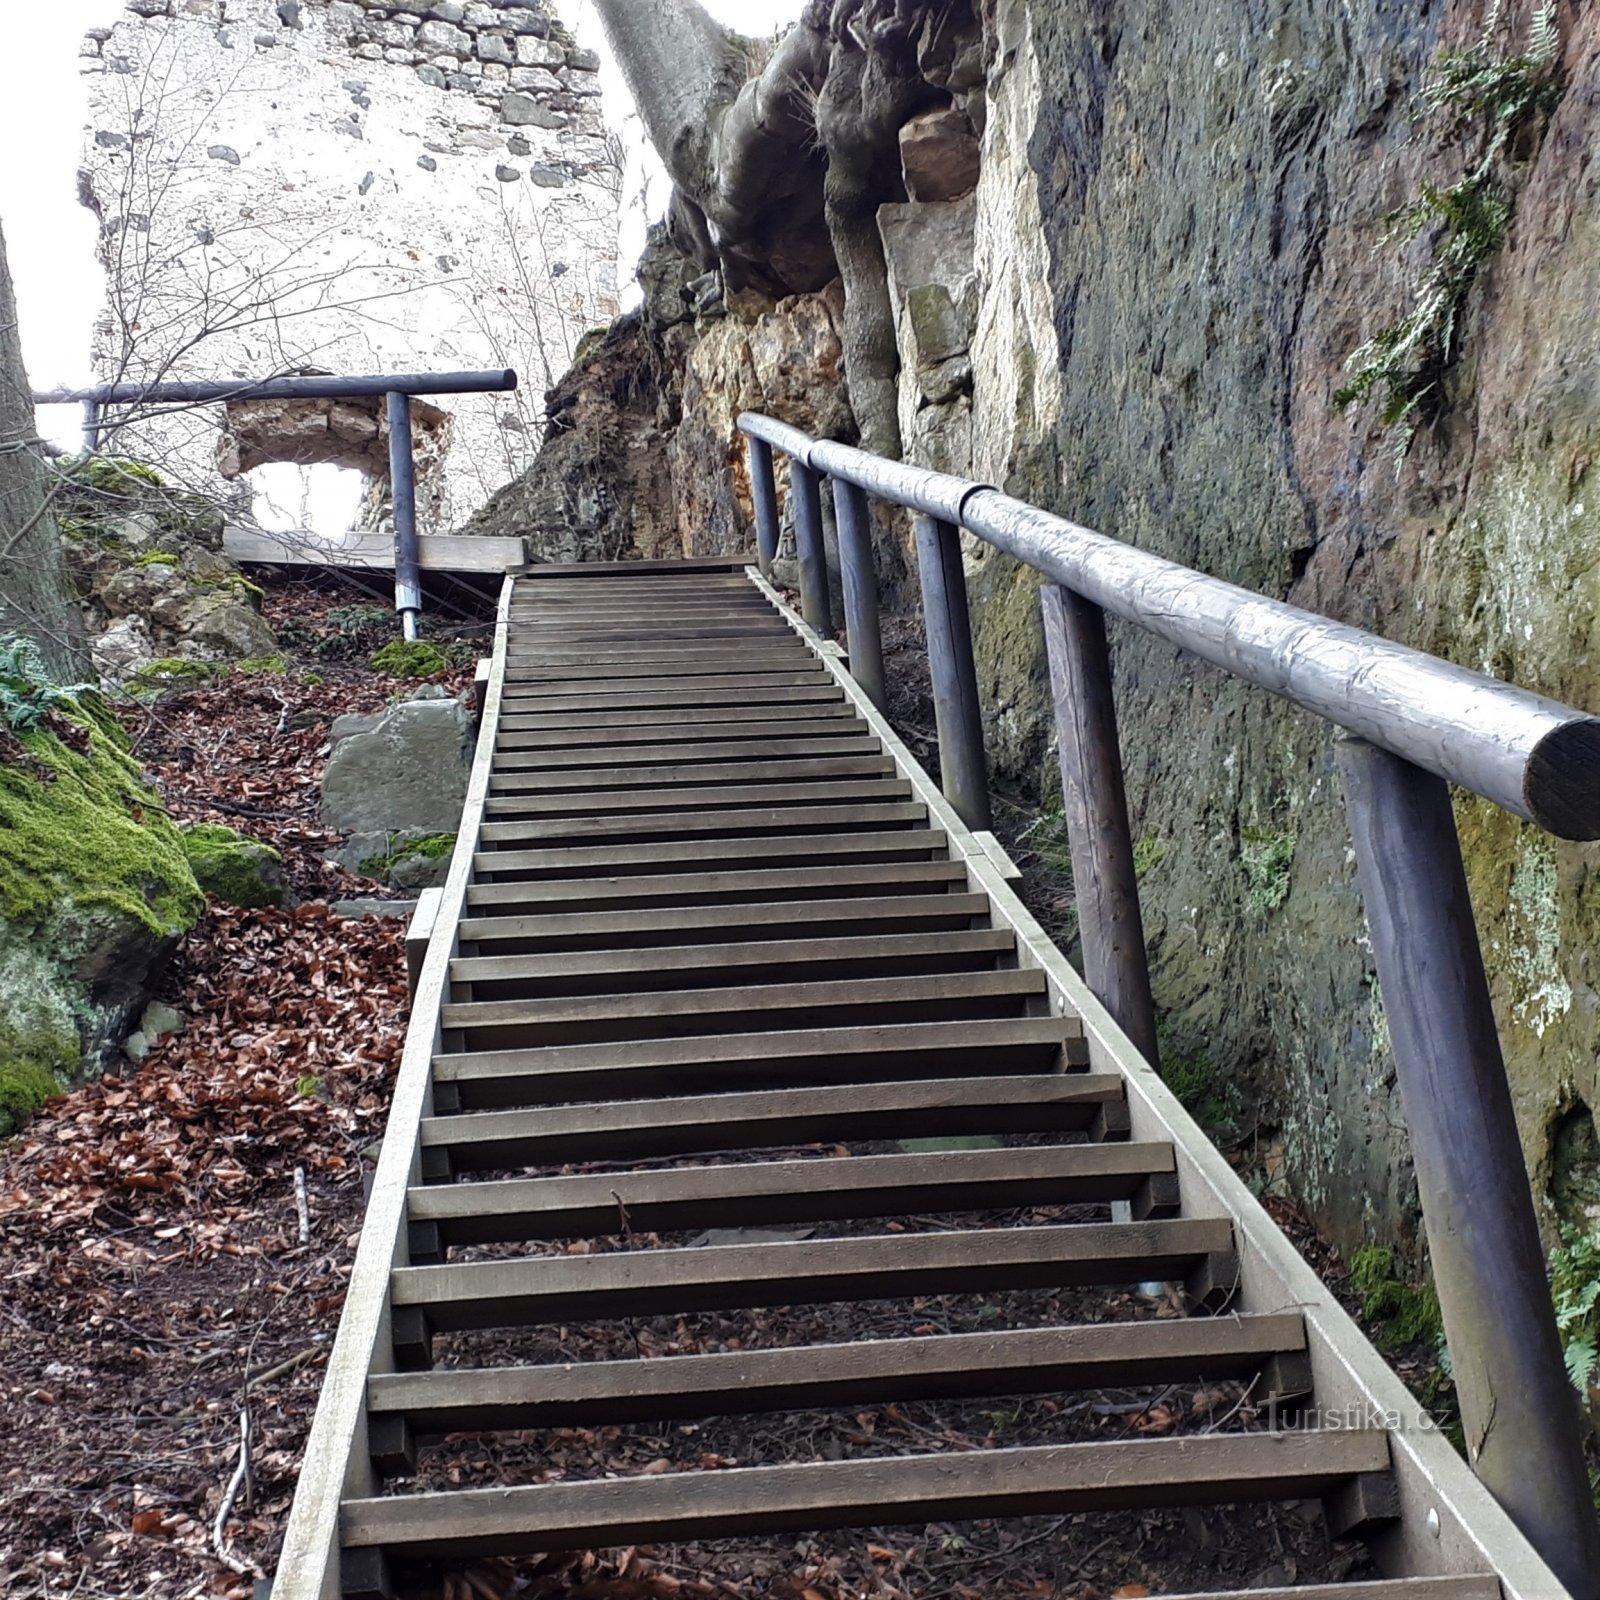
(324, 185)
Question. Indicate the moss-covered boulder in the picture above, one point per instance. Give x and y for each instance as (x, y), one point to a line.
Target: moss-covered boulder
(95, 890)
(233, 869)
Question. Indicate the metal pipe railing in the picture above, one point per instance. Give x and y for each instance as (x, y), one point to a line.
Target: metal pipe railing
(396, 389)
(1414, 724)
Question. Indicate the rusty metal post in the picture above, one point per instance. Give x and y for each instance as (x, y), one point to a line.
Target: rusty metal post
(403, 483)
(815, 603)
(1115, 965)
(860, 579)
(963, 772)
(764, 494)
(1518, 1407)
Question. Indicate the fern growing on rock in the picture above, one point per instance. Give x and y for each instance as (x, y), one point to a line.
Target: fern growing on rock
(27, 692)
(1471, 92)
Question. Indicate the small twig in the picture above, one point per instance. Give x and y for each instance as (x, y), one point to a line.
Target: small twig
(283, 1368)
(219, 1536)
(302, 1205)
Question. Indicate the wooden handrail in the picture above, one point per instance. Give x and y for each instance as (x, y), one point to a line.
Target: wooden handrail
(1413, 723)
(1529, 754)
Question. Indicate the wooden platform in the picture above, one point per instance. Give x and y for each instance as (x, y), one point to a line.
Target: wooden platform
(435, 553)
(709, 925)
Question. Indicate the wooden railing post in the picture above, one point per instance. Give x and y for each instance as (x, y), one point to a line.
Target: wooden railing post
(1518, 1407)
(1095, 802)
(963, 773)
(815, 604)
(764, 494)
(860, 579)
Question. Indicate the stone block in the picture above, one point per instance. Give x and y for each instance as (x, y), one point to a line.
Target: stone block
(540, 53)
(399, 56)
(495, 73)
(939, 154)
(408, 772)
(495, 47)
(427, 163)
(478, 15)
(583, 60)
(447, 10)
(535, 80)
(582, 84)
(548, 177)
(345, 20)
(519, 110)
(527, 23)
(936, 327)
(223, 152)
(431, 75)
(368, 52)
(508, 174)
(444, 38)
(150, 8)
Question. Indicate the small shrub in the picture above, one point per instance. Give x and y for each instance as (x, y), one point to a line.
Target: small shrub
(1047, 837)
(1266, 855)
(409, 658)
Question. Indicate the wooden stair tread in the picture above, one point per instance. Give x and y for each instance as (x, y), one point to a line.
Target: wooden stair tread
(658, 928)
(763, 1193)
(740, 822)
(823, 947)
(530, 692)
(667, 699)
(537, 1289)
(1216, 1469)
(869, 1372)
(597, 721)
(836, 759)
(625, 1130)
(732, 796)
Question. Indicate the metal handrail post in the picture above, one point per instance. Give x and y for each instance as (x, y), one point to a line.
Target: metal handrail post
(963, 771)
(764, 495)
(859, 576)
(1518, 1407)
(815, 604)
(403, 484)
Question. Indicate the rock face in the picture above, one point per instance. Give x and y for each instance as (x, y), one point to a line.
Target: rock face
(1138, 318)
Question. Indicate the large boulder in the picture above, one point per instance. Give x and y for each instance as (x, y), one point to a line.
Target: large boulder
(404, 773)
(94, 893)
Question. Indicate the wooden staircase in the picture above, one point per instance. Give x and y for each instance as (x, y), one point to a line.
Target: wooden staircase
(706, 917)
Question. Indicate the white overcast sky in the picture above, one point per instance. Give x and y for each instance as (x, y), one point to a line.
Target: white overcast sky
(50, 238)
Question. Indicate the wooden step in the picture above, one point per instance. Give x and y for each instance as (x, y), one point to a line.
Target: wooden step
(705, 720)
(765, 1119)
(598, 633)
(734, 823)
(795, 1058)
(689, 1013)
(823, 956)
(1037, 1480)
(534, 1290)
(665, 698)
(761, 1194)
(810, 743)
(819, 792)
(771, 851)
(736, 735)
(630, 930)
(537, 667)
(533, 773)
(875, 1372)
(530, 694)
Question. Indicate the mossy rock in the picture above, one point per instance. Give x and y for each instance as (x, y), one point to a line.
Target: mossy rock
(24, 1088)
(410, 658)
(269, 666)
(1400, 1313)
(171, 672)
(233, 869)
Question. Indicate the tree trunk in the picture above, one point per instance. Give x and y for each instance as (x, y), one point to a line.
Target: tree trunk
(35, 594)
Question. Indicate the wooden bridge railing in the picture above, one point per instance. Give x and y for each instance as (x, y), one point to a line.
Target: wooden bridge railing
(1413, 724)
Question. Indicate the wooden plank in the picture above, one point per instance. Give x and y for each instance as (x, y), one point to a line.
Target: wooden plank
(808, 849)
(1214, 1469)
(695, 567)
(809, 741)
(758, 1194)
(540, 669)
(767, 885)
(794, 1058)
(508, 1024)
(436, 553)
(825, 796)
(532, 769)
(705, 717)
(666, 698)
(826, 725)
(531, 1290)
(1024, 1361)
(529, 693)
(731, 820)
(651, 966)
(658, 927)
(627, 1130)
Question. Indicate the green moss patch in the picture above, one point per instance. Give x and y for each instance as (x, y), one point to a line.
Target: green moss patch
(409, 658)
(1399, 1313)
(171, 672)
(233, 869)
(431, 847)
(272, 666)
(79, 826)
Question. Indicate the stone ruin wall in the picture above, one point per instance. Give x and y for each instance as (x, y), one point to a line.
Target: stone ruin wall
(348, 186)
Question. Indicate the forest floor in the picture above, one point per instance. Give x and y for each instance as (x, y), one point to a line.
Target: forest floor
(158, 1303)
